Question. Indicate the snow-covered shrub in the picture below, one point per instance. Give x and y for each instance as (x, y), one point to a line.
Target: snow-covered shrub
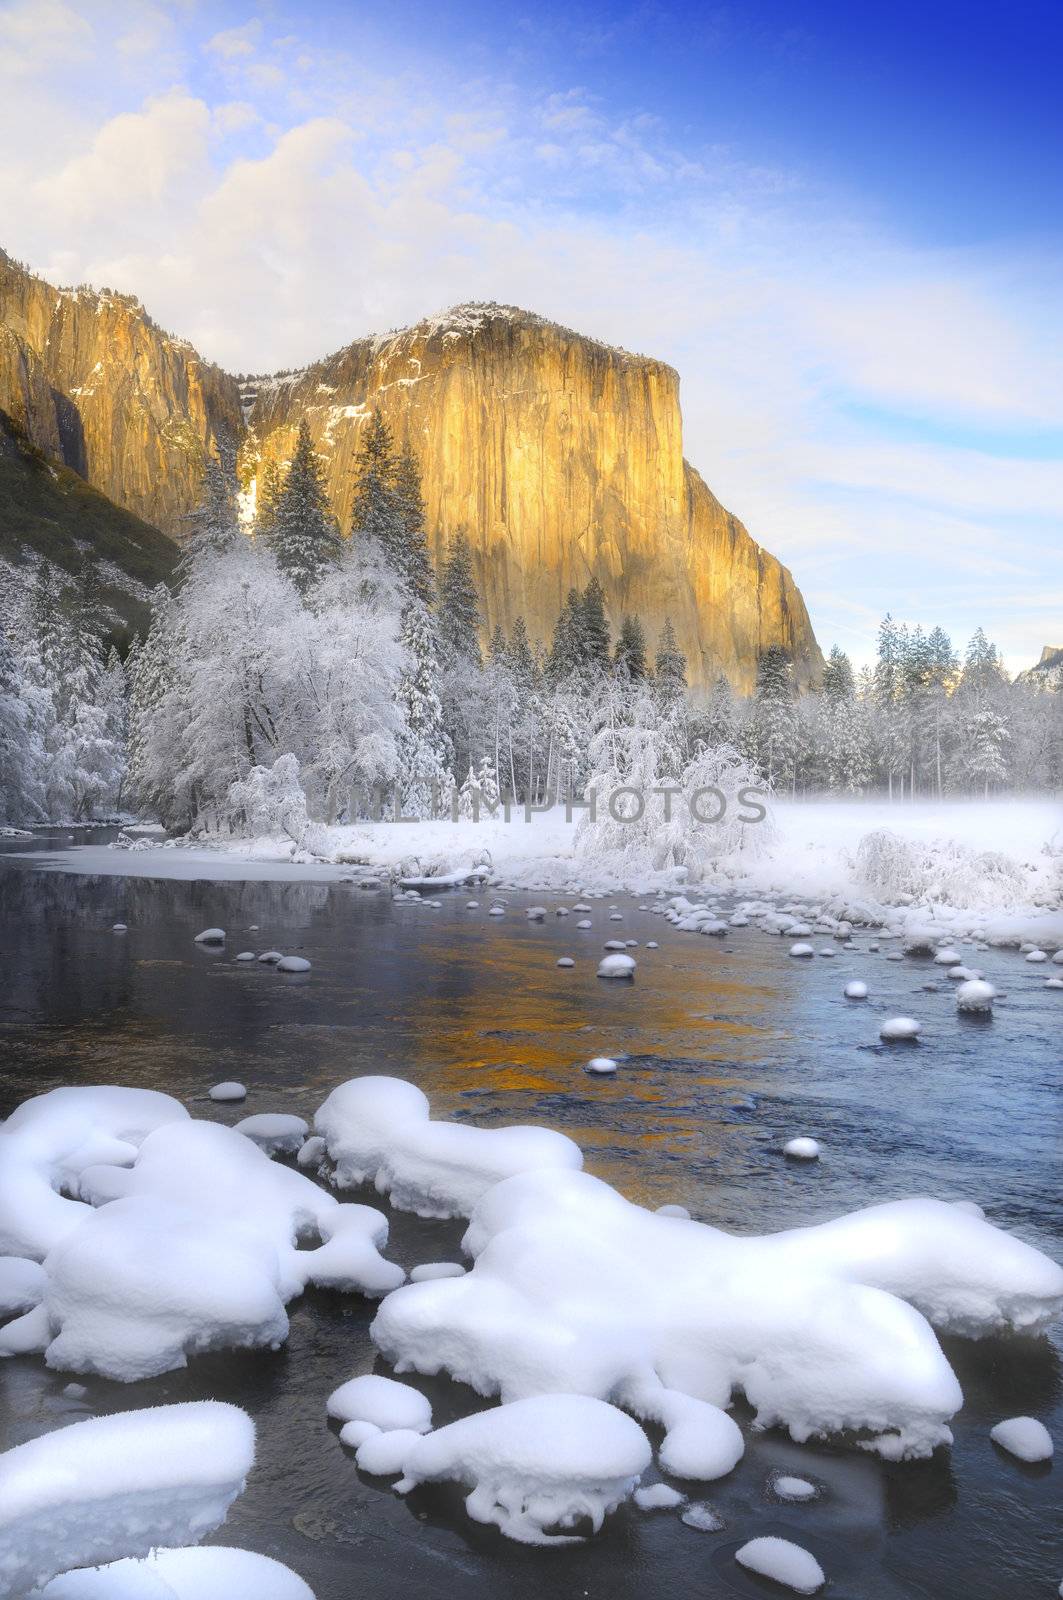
(647, 821)
(944, 870)
(272, 801)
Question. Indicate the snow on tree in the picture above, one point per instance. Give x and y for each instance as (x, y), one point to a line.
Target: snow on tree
(458, 612)
(413, 561)
(269, 492)
(272, 800)
(629, 656)
(773, 726)
(593, 625)
(213, 523)
(303, 534)
(566, 656)
(669, 667)
(424, 775)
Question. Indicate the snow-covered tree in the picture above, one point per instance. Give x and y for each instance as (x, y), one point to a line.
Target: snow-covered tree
(424, 755)
(459, 619)
(303, 534)
(630, 654)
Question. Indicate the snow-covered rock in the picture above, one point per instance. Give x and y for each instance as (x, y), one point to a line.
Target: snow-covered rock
(546, 1462)
(856, 990)
(801, 951)
(275, 1132)
(657, 1497)
(293, 964)
(565, 961)
(1036, 956)
(602, 1064)
(617, 966)
(117, 1486)
(574, 1289)
(214, 1572)
(47, 1142)
(192, 1247)
(801, 1149)
(383, 1454)
(1023, 1437)
(786, 1487)
(379, 1130)
(270, 958)
(211, 936)
(900, 1028)
(430, 1270)
(784, 1562)
(975, 995)
(22, 1285)
(703, 1517)
(229, 1090)
(381, 1401)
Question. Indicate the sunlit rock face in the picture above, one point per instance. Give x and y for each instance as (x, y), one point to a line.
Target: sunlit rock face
(95, 384)
(560, 458)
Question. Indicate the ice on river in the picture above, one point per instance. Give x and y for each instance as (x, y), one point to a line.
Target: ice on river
(380, 1130)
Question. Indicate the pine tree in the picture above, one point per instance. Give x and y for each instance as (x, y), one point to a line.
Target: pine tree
(266, 498)
(459, 607)
(424, 756)
(774, 720)
(629, 657)
(519, 657)
(411, 557)
(887, 693)
(303, 537)
(17, 765)
(566, 658)
(838, 680)
(595, 644)
(670, 666)
(719, 723)
(213, 524)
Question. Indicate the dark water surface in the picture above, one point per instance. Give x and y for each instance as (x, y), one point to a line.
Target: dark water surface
(730, 1046)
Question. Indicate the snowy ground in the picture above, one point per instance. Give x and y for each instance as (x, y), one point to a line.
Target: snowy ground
(813, 854)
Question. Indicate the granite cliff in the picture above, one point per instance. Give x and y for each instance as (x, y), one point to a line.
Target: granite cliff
(559, 457)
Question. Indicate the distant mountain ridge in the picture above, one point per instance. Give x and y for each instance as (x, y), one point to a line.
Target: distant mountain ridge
(558, 456)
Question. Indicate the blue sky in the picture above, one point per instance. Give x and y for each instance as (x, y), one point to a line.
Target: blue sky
(841, 223)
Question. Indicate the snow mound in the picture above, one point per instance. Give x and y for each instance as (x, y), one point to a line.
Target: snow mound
(429, 1270)
(796, 1489)
(118, 1486)
(898, 1028)
(784, 1562)
(275, 1132)
(382, 1454)
(856, 990)
(975, 995)
(801, 1149)
(215, 1573)
(229, 1090)
(193, 1247)
(548, 1462)
(801, 951)
(1023, 1437)
(22, 1285)
(657, 1497)
(211, 936)
(380, 1129)
(601, 1065)
(382, 1401)
(617, 967)
(824, 1329)
(293, 964)
(47, 1142)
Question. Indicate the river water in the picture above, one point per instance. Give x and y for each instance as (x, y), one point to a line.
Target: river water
(729, 1048)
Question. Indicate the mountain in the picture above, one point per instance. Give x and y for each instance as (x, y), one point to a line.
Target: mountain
(558, 456)
(96, 385)
(1048, 672)
(48, 514)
